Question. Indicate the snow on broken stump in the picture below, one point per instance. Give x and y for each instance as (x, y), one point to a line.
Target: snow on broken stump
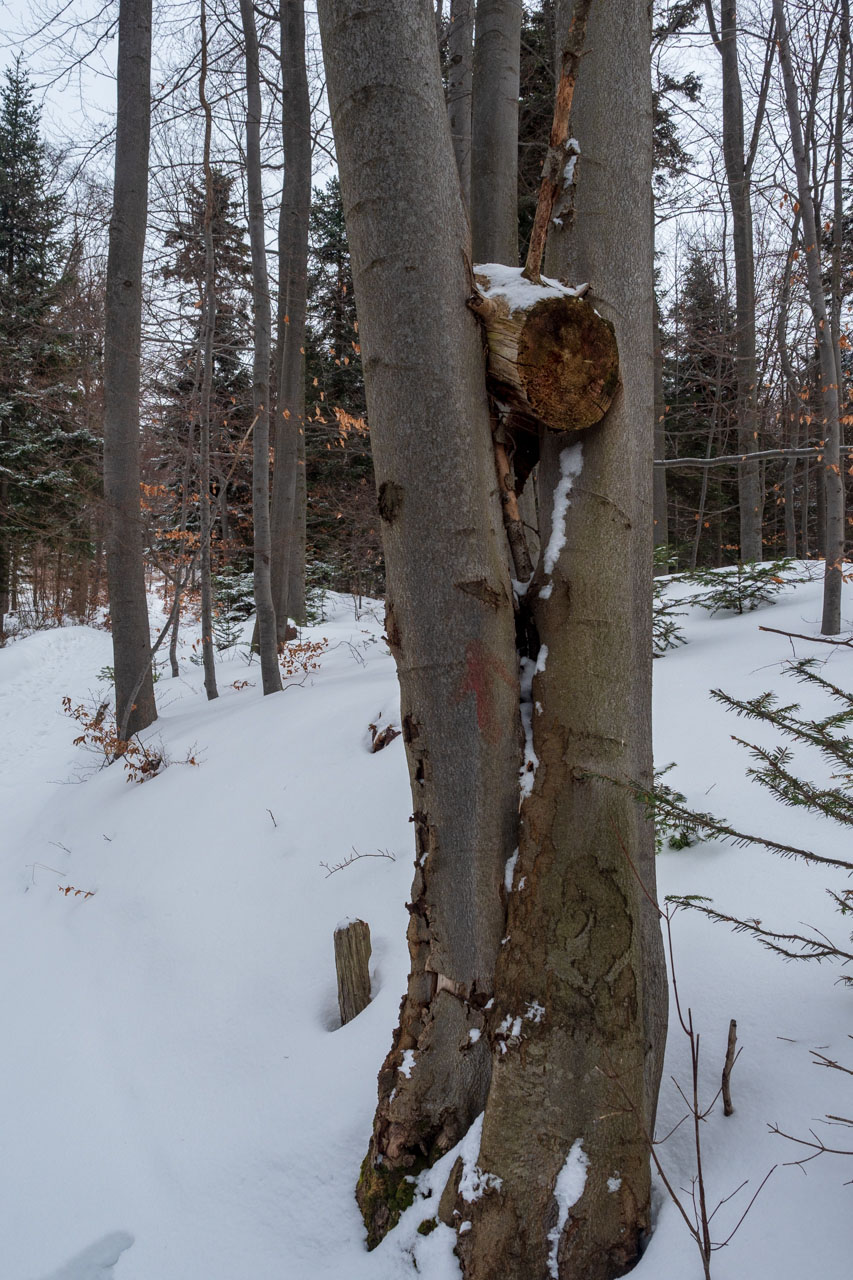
(352, 963)
(552, 358)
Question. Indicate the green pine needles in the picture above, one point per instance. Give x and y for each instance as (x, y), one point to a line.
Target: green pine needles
(832, 738)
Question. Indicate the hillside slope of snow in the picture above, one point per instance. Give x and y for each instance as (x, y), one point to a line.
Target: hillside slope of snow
(177, 1099)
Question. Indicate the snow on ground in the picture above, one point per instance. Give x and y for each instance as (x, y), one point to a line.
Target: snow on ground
(178, 1101)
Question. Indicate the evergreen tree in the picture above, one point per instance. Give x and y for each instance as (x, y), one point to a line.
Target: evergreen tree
(344, 545)
(231, 393)
(48, 458)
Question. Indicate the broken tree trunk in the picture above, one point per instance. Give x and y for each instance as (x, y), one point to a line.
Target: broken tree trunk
(552, 357)
(352, 965)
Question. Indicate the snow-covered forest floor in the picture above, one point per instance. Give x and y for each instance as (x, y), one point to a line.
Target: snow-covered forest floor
(177, 1099)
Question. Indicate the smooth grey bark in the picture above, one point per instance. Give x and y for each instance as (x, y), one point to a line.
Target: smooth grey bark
(494, 124)
(288, 490)
(207, 341)
(579, 1021)
(738, 176)
(266, 625)
(828, 374)
(135, 706)
(460, 79)
(449, 618)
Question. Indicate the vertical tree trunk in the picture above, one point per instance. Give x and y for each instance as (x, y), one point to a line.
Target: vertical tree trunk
(208, 337)
(449, 610)
(579, 1020)
(494, 163)
(270, 673)
(828, 377)
(135, 707)
(5, 546)
(751, 497)
(460, 47)
(660, 512)
(288, 497)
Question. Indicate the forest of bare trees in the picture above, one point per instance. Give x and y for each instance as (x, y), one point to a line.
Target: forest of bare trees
(494, 310)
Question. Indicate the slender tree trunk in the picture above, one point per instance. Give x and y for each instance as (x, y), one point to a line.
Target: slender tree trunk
(460, 46)
(659, 508)
(5, 547)
(208, 337)
(579, 1020)
(828, 377)
(449, 614)
(288, 495)
(135, 707)
(270, 673)
(751, 496)
(494, 164)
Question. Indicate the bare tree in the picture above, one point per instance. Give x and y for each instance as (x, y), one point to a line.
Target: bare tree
(494, 165)
(834, 487)
(580, 986)
(739, 162)
(270, 673)
(135, 706)
(288, 497)
(460, 79)
(449, 613)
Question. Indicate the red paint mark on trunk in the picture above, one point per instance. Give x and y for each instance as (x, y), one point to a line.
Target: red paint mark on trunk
(482, 668)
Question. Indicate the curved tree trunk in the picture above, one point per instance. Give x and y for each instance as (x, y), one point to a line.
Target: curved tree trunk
(449, 611)
(579, 1020)
(288, 493)
(270, 673)
(494, 151)
(135, 706)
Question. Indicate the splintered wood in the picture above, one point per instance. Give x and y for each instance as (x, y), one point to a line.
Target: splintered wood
(352, 961)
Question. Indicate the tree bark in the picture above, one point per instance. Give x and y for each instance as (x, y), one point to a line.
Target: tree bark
(135, 706)
(208, 338)
(270, 673)
(660, 507)
(494, 164)
(579, 1020)
(460, 47)
(449, 616)
(834, 486)
(751, 497)
(288, 494)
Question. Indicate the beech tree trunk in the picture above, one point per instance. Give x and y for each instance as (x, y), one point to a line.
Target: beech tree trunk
(579, 1020)
(494, 152)
(460, 79)
(270, 673)
(738, 177)
(449, 616)
(288, 492)
(828, 374)
(135, 706)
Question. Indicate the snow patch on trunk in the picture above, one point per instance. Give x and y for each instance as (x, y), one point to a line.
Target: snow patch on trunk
(568, 1189)
(571, 464)
(474, 1182)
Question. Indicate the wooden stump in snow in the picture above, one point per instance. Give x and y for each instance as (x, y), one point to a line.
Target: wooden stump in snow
(552, 357)
(352, 960)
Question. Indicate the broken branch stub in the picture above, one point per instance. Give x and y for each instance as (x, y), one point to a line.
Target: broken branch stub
(552, 358)
(352, 963)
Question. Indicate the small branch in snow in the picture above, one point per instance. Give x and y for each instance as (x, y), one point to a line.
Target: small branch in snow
(356, 857)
